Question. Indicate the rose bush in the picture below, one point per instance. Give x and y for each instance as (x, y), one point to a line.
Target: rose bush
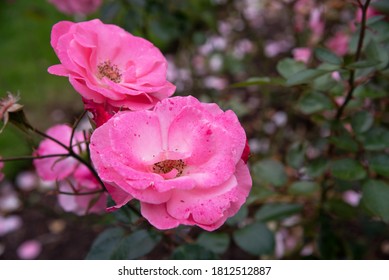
(109, 67)
(182, 161)
(71, 176)
(76, 7)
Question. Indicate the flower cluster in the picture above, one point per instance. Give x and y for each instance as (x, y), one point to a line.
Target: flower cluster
(185, 161)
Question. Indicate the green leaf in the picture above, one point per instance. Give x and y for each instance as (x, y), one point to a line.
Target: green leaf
(136, 245)
(344, 142)
(375, 139)
(375, 196)
(362, 122)
(255, 239)
(380, 164)
(326, 55)
(314, 102)
(296, 155)
(363, 64)
(113, 244)
(259, 81)
(382, 6)
(270, 171)
(369, 92)
(303, 188)
(348, 170)
(192, 252)
(317, 167)
(105, 244)
(238, 217)
(305, 76)
(213, 241)
(277, 211)
(376, 52)
(287, 67)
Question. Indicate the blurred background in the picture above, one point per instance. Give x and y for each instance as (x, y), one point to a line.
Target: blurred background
(211, 47)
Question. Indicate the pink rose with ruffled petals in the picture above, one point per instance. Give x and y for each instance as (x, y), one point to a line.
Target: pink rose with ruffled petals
(110, 67)
(182, 161)
(73, 177)
(76, 7)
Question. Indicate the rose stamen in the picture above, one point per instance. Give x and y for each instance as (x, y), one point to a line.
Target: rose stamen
(163, 167)
(111, 71)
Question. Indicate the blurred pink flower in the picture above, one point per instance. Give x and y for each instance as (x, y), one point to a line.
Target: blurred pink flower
(339, 43)
(73, 177)
(27, 180)
(110, 67)
(302, 54)
(316, 24)
(76, 7)
(9, 224)
(352, 197)
(182, 160)
(29, 250)
(83, 182)
(58, 168)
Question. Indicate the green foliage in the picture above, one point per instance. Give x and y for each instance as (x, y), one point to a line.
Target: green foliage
(115, 244)
(270, 171)
(277, 211)
(375, 198)
(255, 239)
(347, 169)
(215, 242)
(192, 252)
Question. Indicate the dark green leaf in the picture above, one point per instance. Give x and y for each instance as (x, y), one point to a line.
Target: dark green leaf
(348, 169)
(380, 164)
(259, 81)
(136, 245)
(375, 196)
(277, 211)
(369, 92)
(296, 155)
(105, 244)
(255, 239)
(376, 52)
(362, 122)
(326, 55)
(375, 139)
(382, 6)
(305, 76)
(213, 241)
(363, 64)
(287, 67)
(270, 171)
(193, 252)
(238, 217)
(344, 142)
(314, 102)
(303, 188)
(317, 167)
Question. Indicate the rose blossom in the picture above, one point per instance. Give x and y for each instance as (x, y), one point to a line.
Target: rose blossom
(182, 161)
(302, 54)
(72, 176)
(339, 43)
(109, 67)
(76, 7)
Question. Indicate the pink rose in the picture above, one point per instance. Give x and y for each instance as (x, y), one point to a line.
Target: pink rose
(110, 67)
(76, 7)
(182, 161)
(72, 176)
(339, 43)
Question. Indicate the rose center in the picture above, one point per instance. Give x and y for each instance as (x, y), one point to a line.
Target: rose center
(109, 70)
(163, 167)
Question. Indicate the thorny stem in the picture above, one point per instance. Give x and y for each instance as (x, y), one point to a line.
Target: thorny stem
(351, 80)
(81, 193)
